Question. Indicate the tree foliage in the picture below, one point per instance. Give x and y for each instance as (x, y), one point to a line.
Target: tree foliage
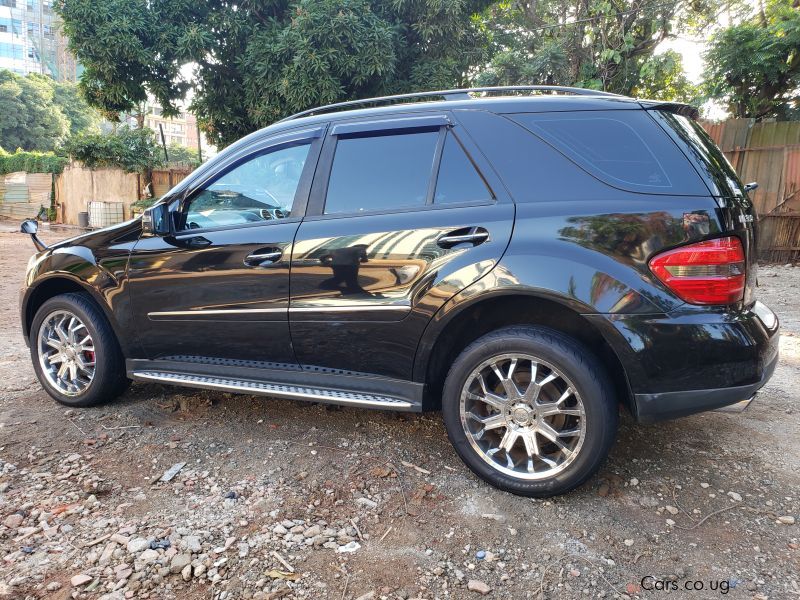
(661, 77)
(600, 44)
(37, 113)
(181, 154)
(259, 60)
(28, 117)
(755, 66)
(134, 150)
(81, 117)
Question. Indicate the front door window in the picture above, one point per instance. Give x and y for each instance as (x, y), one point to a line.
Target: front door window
(261, 189)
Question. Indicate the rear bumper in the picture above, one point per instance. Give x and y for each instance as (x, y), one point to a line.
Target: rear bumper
(693, 359)
(671, 405)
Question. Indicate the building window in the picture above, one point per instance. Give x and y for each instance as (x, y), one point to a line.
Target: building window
(11, 25)
(11, 51)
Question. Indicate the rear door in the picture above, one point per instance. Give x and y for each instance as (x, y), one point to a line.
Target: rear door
(404, 213)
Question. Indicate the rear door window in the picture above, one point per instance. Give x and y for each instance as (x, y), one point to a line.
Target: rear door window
(381, 172)
(459, 180)
(626, 149)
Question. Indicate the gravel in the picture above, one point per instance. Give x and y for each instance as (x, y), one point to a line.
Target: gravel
(288, 499)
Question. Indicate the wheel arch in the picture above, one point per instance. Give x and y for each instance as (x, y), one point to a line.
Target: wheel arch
(462, 326)
(54, 285)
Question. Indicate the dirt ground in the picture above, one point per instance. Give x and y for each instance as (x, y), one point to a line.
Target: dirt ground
(274, 493)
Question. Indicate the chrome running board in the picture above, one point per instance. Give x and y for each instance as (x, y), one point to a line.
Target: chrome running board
(277, 390)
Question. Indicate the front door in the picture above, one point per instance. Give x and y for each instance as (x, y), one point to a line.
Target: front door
(403, 215)
(217, 287)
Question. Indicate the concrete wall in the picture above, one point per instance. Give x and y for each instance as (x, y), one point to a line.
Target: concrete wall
(77, 186)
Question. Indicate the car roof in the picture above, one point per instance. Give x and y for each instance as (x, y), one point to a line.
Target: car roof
(496, 104)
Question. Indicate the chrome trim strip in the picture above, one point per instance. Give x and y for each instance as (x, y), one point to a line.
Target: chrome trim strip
(224, 311)
(297, 309)
(277, 390)
(369, 307)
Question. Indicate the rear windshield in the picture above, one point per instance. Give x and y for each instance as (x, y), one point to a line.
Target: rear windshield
(625, 149)
(706, 155)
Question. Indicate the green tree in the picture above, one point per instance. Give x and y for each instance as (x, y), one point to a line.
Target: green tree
(82, 117)
(260, 60)
(134, 150)
(755, 66)
(661, 77)
(181, 154)
(601, 44)
(29, 118)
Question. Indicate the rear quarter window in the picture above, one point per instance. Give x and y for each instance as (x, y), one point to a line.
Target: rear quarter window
(624, 149)
(705, 154)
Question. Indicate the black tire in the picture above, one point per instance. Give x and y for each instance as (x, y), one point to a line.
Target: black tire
(109, 379)
(574, 361)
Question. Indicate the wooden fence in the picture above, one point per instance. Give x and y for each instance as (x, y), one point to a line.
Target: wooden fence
(783, 232)
(163, 180)
(768, 153)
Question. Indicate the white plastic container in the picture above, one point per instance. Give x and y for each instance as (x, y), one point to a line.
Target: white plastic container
(103, 214)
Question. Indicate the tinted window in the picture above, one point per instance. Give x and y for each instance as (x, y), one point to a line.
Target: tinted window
(261, 189)
(626, 149)
(458, 180)
(705, 153)
(381, 172)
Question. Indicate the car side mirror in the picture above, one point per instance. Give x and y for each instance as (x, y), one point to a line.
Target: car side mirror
(30, 226)
(155, 219)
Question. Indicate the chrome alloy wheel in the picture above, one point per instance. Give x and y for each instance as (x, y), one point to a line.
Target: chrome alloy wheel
(523, 416)
(66, 353)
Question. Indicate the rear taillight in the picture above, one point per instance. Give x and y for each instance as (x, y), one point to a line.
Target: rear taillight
(711, 272)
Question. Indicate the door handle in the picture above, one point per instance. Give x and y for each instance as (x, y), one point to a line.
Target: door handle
(467, 235)
(263, 257)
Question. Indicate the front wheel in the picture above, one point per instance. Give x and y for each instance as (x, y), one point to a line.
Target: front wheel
(75, 353)
(530, 410)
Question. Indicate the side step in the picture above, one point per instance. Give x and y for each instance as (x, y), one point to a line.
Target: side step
(278, 390)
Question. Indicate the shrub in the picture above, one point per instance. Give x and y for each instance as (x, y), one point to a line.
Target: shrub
(142, 204)
(134, 150)
(31, 162)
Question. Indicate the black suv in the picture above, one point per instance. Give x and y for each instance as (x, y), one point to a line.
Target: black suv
(525, 263)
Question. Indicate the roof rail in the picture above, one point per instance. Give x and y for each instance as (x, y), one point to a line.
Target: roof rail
(457, 94)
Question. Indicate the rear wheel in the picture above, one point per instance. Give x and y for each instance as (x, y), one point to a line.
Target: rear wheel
(530, 410)
(75, 353)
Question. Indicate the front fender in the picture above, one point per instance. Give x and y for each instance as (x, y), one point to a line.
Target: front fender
(77, 268)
